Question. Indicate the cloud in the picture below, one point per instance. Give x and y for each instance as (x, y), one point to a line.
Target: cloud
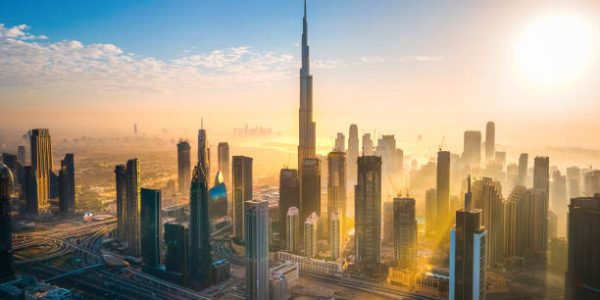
(407, 58)
(33, 62)
(371, 59)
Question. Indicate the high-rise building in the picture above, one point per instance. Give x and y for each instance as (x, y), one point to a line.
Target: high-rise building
(242, 191)
(368, 212)
(150, 227)
(21, 154)
(121, 191)
(352, 156)
(204, 152)
(224, 167)
(367, 142)
(512, 176)
(336, 184)
(29, 190)
(310, 235)
(558, 192)
(183, 166)
(574, 181)
(532, 223)
(388, 222)
(467, 253)
(307, 127)
(582, 280)
(335, 234)
(487, 196)
(201, 259)
(541, 173)
(292, 236)
(405, 233)
(289, 197)
(430, 211)
(472, 148)
(523, 161)
(340, 143)
(399, 162)
(7, 271)
(177, 243)
(133, 207)
(386, 148)
(66, 185)
(310, 188)
(511, 227)
(443, 193)
(256, 236)
(592, 182)
(41, 164)
(490, 141)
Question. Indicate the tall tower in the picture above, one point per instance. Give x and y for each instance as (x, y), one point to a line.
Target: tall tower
(472, 148)
(150, 227)
(310, 188)
(307, 127)
(293, 230)
(487, 196)
(336, 184)
(490, 141)
(583, 269)
(21, 154)
(405, 233)
(367, 142)
(523, 158)
(66, 185)
(204, 152)
(443, 193)
(201, 259)
(352, 155)
(289, 197)
(467, 253)
(133, 206)
(121, 188)
(310, 235)
(256, 236)
(340, 142)
(7, 271)
(223, 155)
(183, 166)
(368, 212)
(41, 164)
(242, 191)
(335, 234)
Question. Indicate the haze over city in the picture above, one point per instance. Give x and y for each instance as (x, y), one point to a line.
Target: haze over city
(337, 149)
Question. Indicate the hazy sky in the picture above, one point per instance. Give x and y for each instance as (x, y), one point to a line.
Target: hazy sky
(433, 68)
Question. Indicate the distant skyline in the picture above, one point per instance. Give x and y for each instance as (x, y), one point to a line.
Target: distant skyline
(403, 67)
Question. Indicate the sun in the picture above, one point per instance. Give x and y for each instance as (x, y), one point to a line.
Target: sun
(555, 49)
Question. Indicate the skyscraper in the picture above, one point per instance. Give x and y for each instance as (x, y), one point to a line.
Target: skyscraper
(336, 183)
(574, 181)
(472, 148)
(201, 259)
(443, 193)
(367, 142)
(133, 206)
(541, 174)
(487, 196)
(307, 128)
(490, 141)
(289, 196)
(292, 235)
(224, 167)
(204, 152)
(242, 191)
(405, 233)
(150, 227)
(467, 253)
(177, 243)
(121, 191)
(558, 193)
(29, 190)
(352, 156)
(21, 155)
(41, 164)
(335, 234)
(310, 188)
(183, 166)
(256, 235)
(66, 185)
(7, 271)
(523, 158)
(368, 212)
(430, 211)
(532, 223)
(582, 280)
(310, 235)
(340, 143)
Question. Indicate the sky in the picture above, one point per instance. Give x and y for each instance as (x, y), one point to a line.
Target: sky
(429, 68)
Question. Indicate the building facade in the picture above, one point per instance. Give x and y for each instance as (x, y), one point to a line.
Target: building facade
(242, 191)
(256, 233)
